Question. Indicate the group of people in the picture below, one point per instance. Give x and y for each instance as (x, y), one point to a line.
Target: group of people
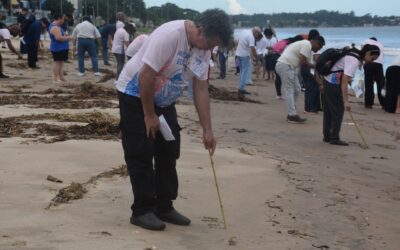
(294, 59)
(160, 67)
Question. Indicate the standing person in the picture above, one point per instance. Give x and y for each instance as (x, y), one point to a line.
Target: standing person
(222, 55)
(312, 89)
(32, 40)
(86, 34)
(373, 72)
(23, 22)
(5, 36)
(59, 47)
(336, 98)
(148, 87)
(246, 52)
(294, 56)
(135, 45)
(107, 33)
(120, 42)
(270, 57)
(261, 48)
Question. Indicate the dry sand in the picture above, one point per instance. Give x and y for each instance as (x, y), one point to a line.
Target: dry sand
(282, 187)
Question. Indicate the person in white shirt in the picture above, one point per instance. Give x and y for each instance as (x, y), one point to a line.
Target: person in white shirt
(245, 51)
(335, 86)
(373, 72)
(86, 34)
(174, 54)
(261, 48)
(270, 59)
(135, 45)
(288, 67)
(120, 42)
(5, 36)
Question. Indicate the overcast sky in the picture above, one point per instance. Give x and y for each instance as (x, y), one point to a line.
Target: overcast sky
(360, 7)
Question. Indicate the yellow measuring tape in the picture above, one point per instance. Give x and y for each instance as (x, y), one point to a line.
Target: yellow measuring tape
(216, 185)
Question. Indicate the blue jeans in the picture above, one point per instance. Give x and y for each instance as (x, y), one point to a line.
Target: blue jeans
(104, 43)
(222, 63)
(87, 44)
(244, 62)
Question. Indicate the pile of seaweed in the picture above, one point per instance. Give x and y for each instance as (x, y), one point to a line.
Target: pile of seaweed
(83, 96)
(95, 125)
(226, 95)
(76, 191)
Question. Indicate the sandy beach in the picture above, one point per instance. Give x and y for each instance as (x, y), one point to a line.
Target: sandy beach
(282, 187)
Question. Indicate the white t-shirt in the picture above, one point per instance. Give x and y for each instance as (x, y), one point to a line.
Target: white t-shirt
(348, 64)
(135, 45)
(167, 52)
(380, 46)
(86, 30)
(120, 37)
(119, 25)
(246, 41)
(271, 42)
(261, 46)
(291, 55)
(5, 34)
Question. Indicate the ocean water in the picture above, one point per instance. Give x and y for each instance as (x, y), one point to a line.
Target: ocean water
(340, 37)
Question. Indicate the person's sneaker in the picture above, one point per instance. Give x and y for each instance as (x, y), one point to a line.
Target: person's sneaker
(279, 97)
(173, 217)
(244, 92)
(326, 140)
(148, 221)
(107, 64)
(3, 76)
(81, 74)
(339, 143)
(97, 74)
(295, 119)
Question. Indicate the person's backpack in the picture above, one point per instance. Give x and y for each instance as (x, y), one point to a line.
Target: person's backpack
(330, 57)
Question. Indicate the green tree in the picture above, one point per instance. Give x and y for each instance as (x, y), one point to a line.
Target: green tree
(55, 7)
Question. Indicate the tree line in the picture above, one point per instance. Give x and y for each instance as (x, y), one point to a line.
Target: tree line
(167, 12)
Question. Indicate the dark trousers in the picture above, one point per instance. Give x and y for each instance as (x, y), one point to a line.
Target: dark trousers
(32, 55)
(222, 64)
(333, 111)
(104, 45)
(120, 62)
(373, 73)
(392, 88)
(154, 186)
(312, 93)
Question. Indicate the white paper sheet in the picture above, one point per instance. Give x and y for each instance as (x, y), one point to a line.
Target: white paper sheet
(165, 129)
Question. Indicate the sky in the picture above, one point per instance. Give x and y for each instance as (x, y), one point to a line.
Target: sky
(360, 7)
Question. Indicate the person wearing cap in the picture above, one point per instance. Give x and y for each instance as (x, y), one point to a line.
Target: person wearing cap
(245, 53)
(373, 72)
(336, 99)
(120, 43)
(293, 57)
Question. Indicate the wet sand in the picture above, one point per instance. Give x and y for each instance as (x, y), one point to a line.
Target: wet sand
(282, 187)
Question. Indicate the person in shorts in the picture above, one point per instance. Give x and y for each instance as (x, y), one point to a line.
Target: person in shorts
(59, 47)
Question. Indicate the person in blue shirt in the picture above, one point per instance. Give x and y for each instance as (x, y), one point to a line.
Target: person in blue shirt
(32, 39)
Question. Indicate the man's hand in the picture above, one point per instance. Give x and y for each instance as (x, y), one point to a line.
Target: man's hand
(152, 125)
(209, 141)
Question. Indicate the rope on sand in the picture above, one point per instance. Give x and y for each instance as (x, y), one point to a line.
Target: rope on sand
(359, 130)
